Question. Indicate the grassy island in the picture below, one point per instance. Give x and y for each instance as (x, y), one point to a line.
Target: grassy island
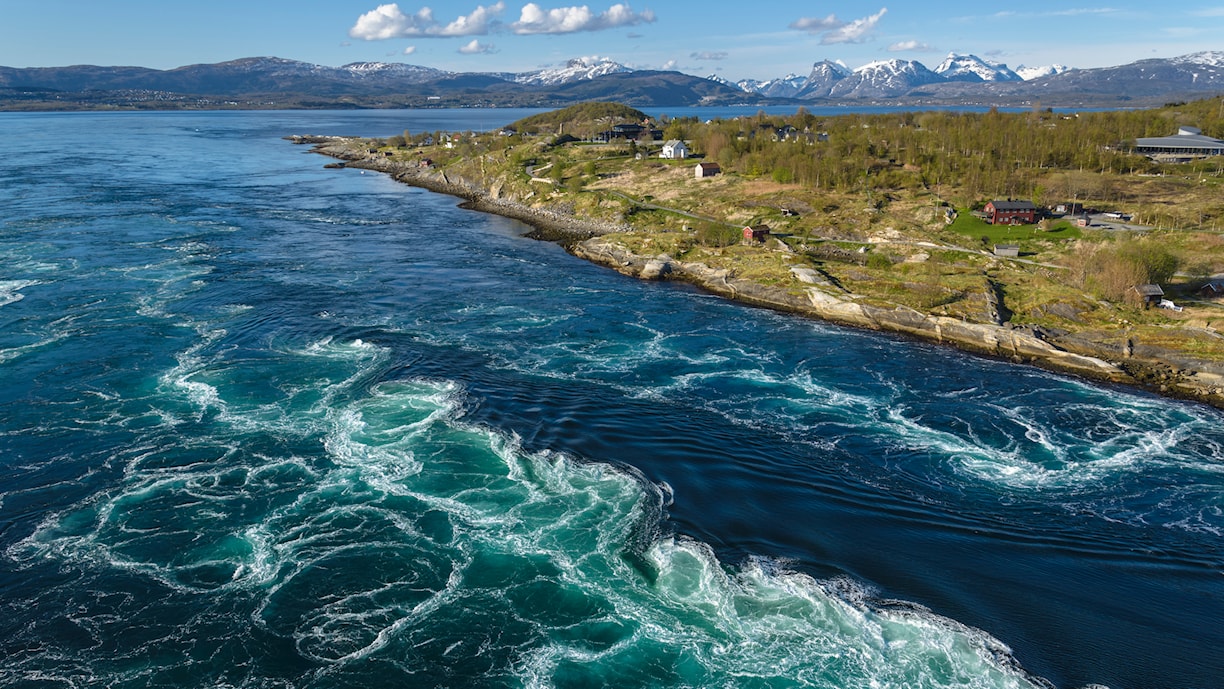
(880, 221)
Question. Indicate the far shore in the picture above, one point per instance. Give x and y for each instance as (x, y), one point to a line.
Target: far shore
(1126, 364)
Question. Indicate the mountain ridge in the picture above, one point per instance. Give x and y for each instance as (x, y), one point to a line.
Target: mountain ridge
(272, 80)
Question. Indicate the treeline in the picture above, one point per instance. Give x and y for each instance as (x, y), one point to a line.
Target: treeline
(970, 155)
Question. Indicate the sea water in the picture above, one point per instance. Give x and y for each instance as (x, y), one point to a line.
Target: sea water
(264, 424)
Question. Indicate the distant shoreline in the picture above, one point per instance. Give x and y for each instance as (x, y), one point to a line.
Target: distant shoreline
(585, 239)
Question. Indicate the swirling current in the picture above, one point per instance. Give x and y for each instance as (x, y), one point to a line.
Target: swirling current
(264, 424)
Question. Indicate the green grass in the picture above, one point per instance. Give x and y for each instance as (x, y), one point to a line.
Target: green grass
(973, 227)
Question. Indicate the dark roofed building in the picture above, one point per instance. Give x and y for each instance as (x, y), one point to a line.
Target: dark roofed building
(1148, 295)
(1011, 212)
(1187, 144)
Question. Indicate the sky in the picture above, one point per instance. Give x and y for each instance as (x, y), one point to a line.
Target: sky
(761, 39)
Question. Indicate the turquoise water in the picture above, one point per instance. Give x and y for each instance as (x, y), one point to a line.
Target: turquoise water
(264, 424)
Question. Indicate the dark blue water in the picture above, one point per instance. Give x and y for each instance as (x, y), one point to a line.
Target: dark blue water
(264, 424)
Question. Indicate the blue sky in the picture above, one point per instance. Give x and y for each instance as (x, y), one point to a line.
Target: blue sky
(735, 40)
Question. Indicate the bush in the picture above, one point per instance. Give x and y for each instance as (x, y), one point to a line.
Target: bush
(718, 235)
(879, 261)
(1110, 270)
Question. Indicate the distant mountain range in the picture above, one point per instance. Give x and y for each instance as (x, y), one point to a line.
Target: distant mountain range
(277, 82)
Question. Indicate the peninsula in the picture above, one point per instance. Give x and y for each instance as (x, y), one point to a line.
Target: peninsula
(1044, 238)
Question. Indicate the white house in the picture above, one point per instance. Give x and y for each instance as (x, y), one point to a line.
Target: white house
(675, 150)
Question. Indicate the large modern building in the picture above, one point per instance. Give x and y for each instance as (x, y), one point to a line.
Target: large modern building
(1188, 144)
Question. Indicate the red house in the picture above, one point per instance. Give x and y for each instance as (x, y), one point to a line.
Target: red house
(756, 233)
(1011, 213)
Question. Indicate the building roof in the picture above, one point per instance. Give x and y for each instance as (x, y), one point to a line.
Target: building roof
(673, 143)
(1187, 139)
(1013, 205)
(1149, 290)
(708, 166)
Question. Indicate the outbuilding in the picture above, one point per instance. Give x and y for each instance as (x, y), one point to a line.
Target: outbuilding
(1148, 295)
(703, 170)
(756, 234)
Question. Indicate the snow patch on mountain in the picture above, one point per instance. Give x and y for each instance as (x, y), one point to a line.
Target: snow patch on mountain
(1030, 73)
(577, 69)
(1207, 58)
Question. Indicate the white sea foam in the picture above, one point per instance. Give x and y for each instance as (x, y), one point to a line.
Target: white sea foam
(10, 290)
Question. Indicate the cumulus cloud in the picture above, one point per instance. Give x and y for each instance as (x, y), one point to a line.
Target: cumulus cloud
(388, 21)
(709, 55)
(537, 20)
(475, 47)
(833, 30)
(909, 45)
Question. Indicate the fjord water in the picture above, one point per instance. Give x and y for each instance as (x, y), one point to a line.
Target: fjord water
(264, 424)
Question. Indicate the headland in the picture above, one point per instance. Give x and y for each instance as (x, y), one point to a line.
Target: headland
(801, 274)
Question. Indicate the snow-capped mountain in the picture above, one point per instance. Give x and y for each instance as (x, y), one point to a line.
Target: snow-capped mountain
(973, 68)
(823, 77)
(1030, 73)
(578, 69)
(390, 70)
(882, 79)
(378, 84)
(1207, 58)
(785, 87)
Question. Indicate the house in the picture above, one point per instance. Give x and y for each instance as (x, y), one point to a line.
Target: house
(1011, 213)
(627, 130)
(674, 150)
(1212, 290)
(704, 170)
(756, 234)
(1008, 250)
(1148, 295)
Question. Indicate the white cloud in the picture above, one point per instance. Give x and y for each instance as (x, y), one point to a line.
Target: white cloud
(904, 46)
(1209, 12)
(854, 32)
(710, 55)
(817, 25)
(669, 65)
(410, 50)
(536, 20)
(388, 21)
(475, 47)
(833, 30)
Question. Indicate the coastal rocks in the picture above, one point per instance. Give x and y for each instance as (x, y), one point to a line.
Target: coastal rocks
(1022, 345)
(656, 268)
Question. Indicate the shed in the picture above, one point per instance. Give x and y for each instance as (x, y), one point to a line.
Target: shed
(1009, 250)
(756, 233)
(1212, 290)
(703, 170)
(1148, 295)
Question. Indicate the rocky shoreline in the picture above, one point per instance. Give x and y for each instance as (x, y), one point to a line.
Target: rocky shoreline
(1127, 363)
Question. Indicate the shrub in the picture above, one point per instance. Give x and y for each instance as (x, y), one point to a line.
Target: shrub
(879, 261)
